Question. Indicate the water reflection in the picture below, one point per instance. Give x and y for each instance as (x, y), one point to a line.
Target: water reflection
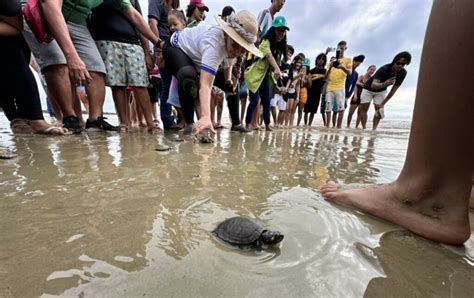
(422, 268)
(106, 214)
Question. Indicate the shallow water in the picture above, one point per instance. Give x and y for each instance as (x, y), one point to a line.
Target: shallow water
(107, 215)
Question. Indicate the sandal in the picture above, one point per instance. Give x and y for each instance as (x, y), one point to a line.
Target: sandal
(53, 131)
(155, 130)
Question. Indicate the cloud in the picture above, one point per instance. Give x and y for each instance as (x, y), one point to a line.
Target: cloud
(377, 29)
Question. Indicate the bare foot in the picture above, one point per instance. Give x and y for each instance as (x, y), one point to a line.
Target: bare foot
(427, 217)
(268, 128)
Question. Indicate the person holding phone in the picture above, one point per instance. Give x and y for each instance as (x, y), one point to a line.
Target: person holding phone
(375, 88)
(338, 70)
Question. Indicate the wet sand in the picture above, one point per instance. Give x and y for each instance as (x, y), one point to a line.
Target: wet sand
(104, 214)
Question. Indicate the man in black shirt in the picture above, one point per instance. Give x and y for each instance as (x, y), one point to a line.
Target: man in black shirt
(376, 87)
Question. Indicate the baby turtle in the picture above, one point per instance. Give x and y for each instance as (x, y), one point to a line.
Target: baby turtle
(246, 232)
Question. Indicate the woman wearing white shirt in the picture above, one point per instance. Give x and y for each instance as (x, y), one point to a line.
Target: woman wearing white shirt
(205, 48)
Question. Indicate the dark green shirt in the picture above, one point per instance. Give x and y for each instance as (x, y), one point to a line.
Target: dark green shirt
(77, 11)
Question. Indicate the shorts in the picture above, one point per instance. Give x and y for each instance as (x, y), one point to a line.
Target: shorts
(337, 98)
(125, 63)
(303, 95)
(281, 103)
(243, 90)
(367, 96)
(173, 97)
(274, 101)
(46, 54)
(291, 95)
(154, 89)
(50, 54)
(217, 91)
(355, 101)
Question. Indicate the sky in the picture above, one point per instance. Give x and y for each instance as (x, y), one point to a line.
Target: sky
(378, 29)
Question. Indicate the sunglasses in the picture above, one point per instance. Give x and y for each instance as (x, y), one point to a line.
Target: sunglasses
(401, 63)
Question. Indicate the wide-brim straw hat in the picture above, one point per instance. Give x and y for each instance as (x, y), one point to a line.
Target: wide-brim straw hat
(243, 29)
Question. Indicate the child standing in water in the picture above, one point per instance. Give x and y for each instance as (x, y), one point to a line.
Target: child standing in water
(303, 98)
(293, 88)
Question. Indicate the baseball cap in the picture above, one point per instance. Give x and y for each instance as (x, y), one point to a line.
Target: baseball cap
(199, 4)
(279, 22)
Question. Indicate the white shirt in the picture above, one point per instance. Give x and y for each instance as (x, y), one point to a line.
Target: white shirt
(203, 44)
(265, 21)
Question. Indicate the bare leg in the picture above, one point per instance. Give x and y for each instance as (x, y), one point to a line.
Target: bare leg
(340, 116)
(243, 105)
(143, 99)
(59, 88)
(364, 108)
(300, 112)
(376, 119)
(121, 106)
(256, 115)
(328, 118)
(274, 115)
(289, 108)
(358, 118)
(293, 111)
(96, 95)
(352, 109)
(431, 195)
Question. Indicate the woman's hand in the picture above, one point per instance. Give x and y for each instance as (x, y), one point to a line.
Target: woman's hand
(203, 124)
(277, 74)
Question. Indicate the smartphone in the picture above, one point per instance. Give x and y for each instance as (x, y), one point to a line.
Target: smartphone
(338, 55)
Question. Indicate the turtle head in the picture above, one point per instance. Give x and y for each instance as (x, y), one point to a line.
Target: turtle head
(272, 237)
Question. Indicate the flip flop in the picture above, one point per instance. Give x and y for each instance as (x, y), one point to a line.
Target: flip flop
(53, 131)
(155, 130)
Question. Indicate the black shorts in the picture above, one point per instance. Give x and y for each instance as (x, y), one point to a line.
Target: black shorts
(154, 89)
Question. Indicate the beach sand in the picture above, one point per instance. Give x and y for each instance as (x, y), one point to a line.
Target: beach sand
(105, 214)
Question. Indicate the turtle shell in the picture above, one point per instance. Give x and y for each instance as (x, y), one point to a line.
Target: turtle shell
(239, 230)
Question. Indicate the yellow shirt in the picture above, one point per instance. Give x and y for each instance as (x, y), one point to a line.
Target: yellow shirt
(337, 77)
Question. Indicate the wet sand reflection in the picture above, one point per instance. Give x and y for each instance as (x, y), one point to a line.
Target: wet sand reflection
(107, 214)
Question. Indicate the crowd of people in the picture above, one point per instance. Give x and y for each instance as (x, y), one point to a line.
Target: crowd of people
(193, 67)
(186, 68)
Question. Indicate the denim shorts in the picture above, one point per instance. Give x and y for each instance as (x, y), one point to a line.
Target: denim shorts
(336, 98)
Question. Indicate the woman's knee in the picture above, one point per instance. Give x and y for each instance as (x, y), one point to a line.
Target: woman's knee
(188, 81)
